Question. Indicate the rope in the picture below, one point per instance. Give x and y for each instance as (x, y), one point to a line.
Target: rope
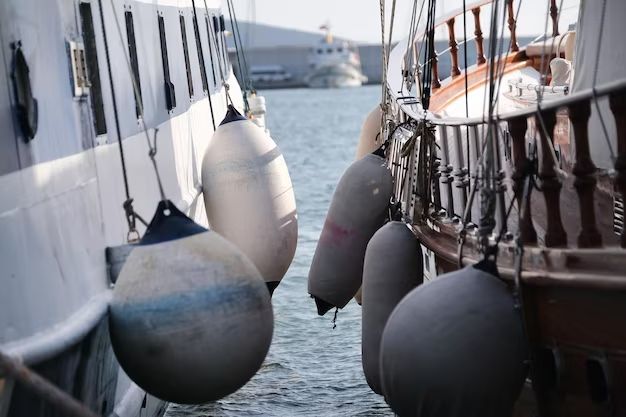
(152, 147)
(196, 30)
(241, 71)
(213, 36)
(43, 388)
(129, 212)
(430, 55)
(383, 101)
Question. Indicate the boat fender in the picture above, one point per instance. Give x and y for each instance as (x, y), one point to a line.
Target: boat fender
(358, 208)
(455, 346)
(191, 319)
(392, 268)
(249, 197)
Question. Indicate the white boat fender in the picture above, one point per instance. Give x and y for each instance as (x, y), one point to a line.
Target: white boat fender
(369, 139)
(191, 320)
(392, 268)
(455, 346)
(257, 109)
(358, 208)
(249, 197)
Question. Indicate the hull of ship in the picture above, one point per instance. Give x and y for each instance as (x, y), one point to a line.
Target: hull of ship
(62, 192)
(334, 81)
(335, 76)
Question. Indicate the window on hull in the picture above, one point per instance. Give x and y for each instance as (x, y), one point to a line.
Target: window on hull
(208, 33)
(170, 92)
(95, 90)
(134, 62)
(183, 31)
(196, 31)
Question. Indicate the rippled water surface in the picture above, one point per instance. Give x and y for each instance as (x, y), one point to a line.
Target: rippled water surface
(311, 369)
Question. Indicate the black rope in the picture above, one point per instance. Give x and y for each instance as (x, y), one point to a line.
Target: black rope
(131, 216)
(213, 35)
(237, 33)
(429, 55)
(201, 57)
(232, 24)
(335, 318)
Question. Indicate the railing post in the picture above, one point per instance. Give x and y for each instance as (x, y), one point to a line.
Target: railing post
(554, 14)
(454, 49)
(584, 171)
(480, 54)
(512, 26)
(460, 173)
(445, 169)
(550, 183)
(617, 102)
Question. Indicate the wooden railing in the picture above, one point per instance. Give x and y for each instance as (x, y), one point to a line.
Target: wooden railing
(475, 8)
(459, 146)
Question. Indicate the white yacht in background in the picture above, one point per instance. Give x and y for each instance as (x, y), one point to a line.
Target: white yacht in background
(334, 63)
(67, 107)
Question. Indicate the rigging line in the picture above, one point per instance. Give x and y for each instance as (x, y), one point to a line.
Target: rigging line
(429, 58)
(501, 64)
(196, 30)
(545, 63)
(128, 204)
(144, 127)
(383, 102)
(487, 221)
(243, 51)
(418, 51)
(243, 75)
(466, 82)
(393, 18)
(494, 8)
(411, 28)
(213, 35)
(408, 52)
(506, 56)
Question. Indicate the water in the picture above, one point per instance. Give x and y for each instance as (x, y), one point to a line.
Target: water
(311, 369)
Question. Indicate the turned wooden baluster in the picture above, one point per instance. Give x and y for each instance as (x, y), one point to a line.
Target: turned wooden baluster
(460, 173)
(512, 26)
(554, 14)
(480, 53)
(454, 50)
(445, 169)
(584, 171)
(617, 102)
(550, 183)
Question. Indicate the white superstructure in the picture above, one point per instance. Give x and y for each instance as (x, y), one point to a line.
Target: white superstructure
(334, 63)
(64, 65)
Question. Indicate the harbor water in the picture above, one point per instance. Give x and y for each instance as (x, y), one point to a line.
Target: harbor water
(311, 369)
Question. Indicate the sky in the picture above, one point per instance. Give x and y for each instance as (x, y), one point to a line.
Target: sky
(359, 20)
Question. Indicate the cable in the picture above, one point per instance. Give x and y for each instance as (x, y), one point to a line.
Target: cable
(129, 211)
(196, 30)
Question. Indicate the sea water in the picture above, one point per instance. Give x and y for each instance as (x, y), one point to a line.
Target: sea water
(311, 369)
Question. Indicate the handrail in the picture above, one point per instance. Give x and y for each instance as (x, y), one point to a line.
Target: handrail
(416, 111)
(50, 342)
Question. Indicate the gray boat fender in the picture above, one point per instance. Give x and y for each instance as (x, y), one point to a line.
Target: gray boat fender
(455, 346)
(358, 208)
(392, 268)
